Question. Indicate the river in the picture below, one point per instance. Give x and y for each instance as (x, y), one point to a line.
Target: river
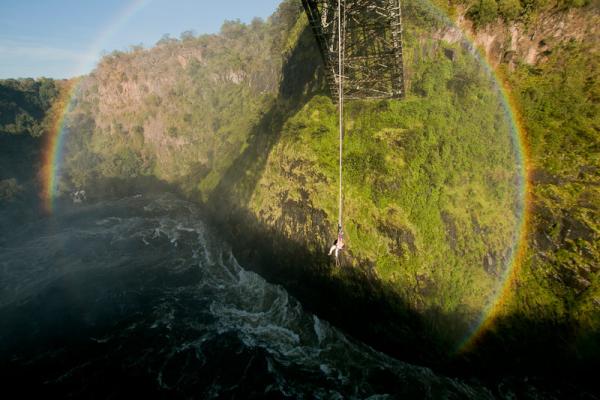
(139, 296)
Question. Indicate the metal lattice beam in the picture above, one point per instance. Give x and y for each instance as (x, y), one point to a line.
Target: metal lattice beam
(372, 45)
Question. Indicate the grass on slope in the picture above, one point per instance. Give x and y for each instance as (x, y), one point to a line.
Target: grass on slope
(430, 195)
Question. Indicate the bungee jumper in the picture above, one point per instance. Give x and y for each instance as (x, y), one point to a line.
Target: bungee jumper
(339, 244)
(373, 30)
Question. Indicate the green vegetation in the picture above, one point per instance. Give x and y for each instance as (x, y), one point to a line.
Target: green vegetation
(429, 193)
(483, 12)
(559, 102)
(183, 110)
(28, 110)
(24, 103)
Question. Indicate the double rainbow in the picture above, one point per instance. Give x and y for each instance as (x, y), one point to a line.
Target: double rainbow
(53, 156)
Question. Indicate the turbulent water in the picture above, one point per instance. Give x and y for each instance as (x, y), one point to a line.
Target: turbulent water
(138, 296)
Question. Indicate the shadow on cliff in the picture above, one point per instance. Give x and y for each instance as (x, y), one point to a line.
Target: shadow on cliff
(352, 300)
(517, 354)
(518, 350)
(302, 78)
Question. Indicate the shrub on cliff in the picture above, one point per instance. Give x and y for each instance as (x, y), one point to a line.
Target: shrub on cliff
(483, 12)
(24, 103)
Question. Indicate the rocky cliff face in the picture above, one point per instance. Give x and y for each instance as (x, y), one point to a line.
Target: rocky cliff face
(531, 41)
(182, 110)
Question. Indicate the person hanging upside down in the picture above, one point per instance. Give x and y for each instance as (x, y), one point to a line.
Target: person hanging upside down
(338, 243)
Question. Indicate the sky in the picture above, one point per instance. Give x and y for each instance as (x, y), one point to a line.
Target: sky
(65, 38)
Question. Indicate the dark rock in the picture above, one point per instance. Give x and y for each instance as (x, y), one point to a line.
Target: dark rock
(490, 263)
(450, 54)
(451, 230)
(539, 176)
(402, 238)
(586, 171)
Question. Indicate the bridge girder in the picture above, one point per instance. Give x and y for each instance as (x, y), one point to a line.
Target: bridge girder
(371, 43)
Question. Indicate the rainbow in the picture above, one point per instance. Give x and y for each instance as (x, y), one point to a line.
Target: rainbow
(55, 137)
(54, 147)
(498, 300)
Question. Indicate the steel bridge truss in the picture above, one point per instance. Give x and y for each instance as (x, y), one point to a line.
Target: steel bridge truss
(372, 65)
